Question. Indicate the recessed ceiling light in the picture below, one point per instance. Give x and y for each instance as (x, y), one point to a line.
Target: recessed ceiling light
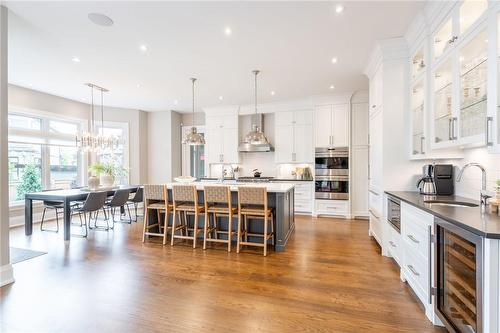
(143, 48)
(339, 9)
(176, 102)
(221, 98)
(334, 60)
(273, 92)
(30, 84)
(138, 85)
(332, 87)
(100, 19)
(75, 59)
(228, 31)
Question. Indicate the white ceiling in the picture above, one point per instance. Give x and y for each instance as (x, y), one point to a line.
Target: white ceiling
(292, 43)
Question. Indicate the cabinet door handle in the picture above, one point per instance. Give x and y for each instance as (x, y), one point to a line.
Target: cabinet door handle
(422, 139)
(454, 126)
(413, 239)
(429, 228)
(373, 192)
(392, 243)
(450, 132)
(413, 270)
(489, 120)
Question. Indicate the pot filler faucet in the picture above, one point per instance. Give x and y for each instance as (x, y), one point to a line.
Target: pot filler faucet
(483, 197)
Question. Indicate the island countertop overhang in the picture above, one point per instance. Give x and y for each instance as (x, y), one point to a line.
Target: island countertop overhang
(271, 187)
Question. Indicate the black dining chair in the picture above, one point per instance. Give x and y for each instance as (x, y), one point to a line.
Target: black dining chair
(119, 200)
(136, 200)
(93, 204)
(57, 206)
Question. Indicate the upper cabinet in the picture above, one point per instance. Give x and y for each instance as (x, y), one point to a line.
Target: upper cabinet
(443, 115)
(294, 137)
(418, 118)
(418, 63)
(331, 125)
(222, 139)
(457, 25)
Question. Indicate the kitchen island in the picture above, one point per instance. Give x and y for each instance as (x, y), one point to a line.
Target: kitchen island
(280, 199)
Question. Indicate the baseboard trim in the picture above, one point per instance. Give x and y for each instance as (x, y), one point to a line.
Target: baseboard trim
(6, 275)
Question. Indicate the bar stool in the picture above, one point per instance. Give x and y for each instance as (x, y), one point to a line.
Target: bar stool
(252, 202)
(156, 198)
(185, 202)
(218, 203)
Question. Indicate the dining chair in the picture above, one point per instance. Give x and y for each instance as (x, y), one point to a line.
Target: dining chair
(136, 199)
(93, 204)
(118, 200)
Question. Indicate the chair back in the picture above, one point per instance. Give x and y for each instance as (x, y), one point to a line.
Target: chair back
(217, 194)
(95, 201)
(185, 194)
(139, 195)
(154, 192)
(252, 196)
(120, 198)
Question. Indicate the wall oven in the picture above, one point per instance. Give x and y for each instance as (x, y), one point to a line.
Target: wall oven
(332, 187)
(332, 161)
(394, 212)
(458, 277)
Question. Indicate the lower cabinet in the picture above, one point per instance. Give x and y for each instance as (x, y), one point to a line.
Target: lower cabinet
(332, 207)
(394, 247)
(376, 228)
(303, 197)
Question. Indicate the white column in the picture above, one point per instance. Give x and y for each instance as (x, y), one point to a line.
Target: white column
(6, 271)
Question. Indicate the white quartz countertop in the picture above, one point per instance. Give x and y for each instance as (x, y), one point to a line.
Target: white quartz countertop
(271, 187)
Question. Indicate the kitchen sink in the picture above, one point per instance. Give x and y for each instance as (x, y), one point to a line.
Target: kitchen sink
(451, 203)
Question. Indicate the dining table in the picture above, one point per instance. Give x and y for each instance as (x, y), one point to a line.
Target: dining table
(67, 197)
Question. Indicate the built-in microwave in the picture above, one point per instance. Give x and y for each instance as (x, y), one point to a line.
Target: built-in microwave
(332, 161)
(394, 212)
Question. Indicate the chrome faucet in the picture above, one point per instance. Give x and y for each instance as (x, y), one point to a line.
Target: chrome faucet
(223, 172)
(483, 196)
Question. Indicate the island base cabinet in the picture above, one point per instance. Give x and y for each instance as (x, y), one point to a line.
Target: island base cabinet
(393, 245)
(376, 228)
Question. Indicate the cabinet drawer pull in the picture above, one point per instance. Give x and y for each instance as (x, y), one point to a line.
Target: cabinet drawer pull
(413, 239)
(373, 192)
(392, 243)
(450, 130)
(412, 269)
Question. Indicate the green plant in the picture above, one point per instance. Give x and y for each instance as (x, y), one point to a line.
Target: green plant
(97, 168)
(31, 181)
(109, 169)
(497, 188)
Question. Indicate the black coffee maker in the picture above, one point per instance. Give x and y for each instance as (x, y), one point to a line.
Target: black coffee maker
(437, 180)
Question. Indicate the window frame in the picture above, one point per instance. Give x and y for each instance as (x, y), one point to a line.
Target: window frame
(125, 127)
(45, 137)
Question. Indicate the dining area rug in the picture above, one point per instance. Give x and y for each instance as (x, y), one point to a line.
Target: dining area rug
(18, 255)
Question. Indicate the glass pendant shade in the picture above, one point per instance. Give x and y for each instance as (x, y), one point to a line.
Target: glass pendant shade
(193, 138)
(256, 137)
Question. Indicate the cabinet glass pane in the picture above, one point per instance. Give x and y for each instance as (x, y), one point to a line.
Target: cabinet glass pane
(442, 38)
(417, 105)
(442, 102)
(473, 73)
(418, 64)
(470, 11)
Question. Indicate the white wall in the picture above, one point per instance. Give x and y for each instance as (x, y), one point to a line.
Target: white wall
(164, 146)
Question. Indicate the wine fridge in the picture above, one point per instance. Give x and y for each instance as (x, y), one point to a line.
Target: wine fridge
(458, 277)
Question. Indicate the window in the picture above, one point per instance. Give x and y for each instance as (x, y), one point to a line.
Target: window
(42, 154)
(119, 155)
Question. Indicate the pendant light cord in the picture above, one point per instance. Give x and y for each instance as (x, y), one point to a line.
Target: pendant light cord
(92, 120)
(102, 112)
(193, 80)
(256, 72)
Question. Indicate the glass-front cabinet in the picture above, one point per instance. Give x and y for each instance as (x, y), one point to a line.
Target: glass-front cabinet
(443, 116)
(418, 118)
(473, 58)
(417, 64)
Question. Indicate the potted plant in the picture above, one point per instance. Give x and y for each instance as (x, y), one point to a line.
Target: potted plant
(497, 190)
(95, 171)
(108, 172)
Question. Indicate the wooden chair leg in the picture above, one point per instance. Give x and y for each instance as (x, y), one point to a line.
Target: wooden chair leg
(245, 220)
(146, 221)
(229, 230)
(158, 213)
(238, 234)
(173, 228)
(207, 221)
(195, 229)
(272, 230)
(215, 226)
(265, 235)
(165, 230)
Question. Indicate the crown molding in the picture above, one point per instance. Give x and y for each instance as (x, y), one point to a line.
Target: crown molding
(386, 50)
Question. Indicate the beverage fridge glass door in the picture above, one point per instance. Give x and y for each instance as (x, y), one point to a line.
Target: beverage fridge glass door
(458, 278)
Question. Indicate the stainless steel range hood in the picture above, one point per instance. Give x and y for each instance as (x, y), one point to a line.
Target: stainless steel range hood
(255, 140)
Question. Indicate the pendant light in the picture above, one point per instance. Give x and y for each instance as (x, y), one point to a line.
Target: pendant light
(193, 138)
(255, 140)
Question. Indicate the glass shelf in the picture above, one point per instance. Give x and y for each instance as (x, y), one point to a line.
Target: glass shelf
(417, 63)
(470, 11)
(417, 104)
(442, 37)
(443, 114)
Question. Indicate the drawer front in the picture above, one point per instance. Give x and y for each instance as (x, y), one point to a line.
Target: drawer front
(303, 195)
(415, 234)
(394, 243)
(375, 200)
(417, 273)
(332, 206)
(304, 187)
(303, 206)
(376, 227)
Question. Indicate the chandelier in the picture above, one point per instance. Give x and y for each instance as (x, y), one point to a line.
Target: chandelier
(93, 140)
(193, 138)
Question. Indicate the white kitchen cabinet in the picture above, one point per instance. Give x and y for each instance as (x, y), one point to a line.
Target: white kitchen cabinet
(332, 207)
(303, 199)
(222, 139)
(493, 127)
(331, 125)
(294, 137)
(360, 124)
(359, 180)
(376, 150)
(418, 106)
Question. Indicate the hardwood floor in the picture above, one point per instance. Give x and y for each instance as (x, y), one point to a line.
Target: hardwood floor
(330, 279)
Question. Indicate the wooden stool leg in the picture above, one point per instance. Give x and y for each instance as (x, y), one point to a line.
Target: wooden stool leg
(158, 213)
(195, 229)
(205, 228)
(215, 226)
(165, 231)
(272, 230)
(146, 221)
(245, 219)
(265, 235)
(173, 229)
(238, 233)
(229, 230)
